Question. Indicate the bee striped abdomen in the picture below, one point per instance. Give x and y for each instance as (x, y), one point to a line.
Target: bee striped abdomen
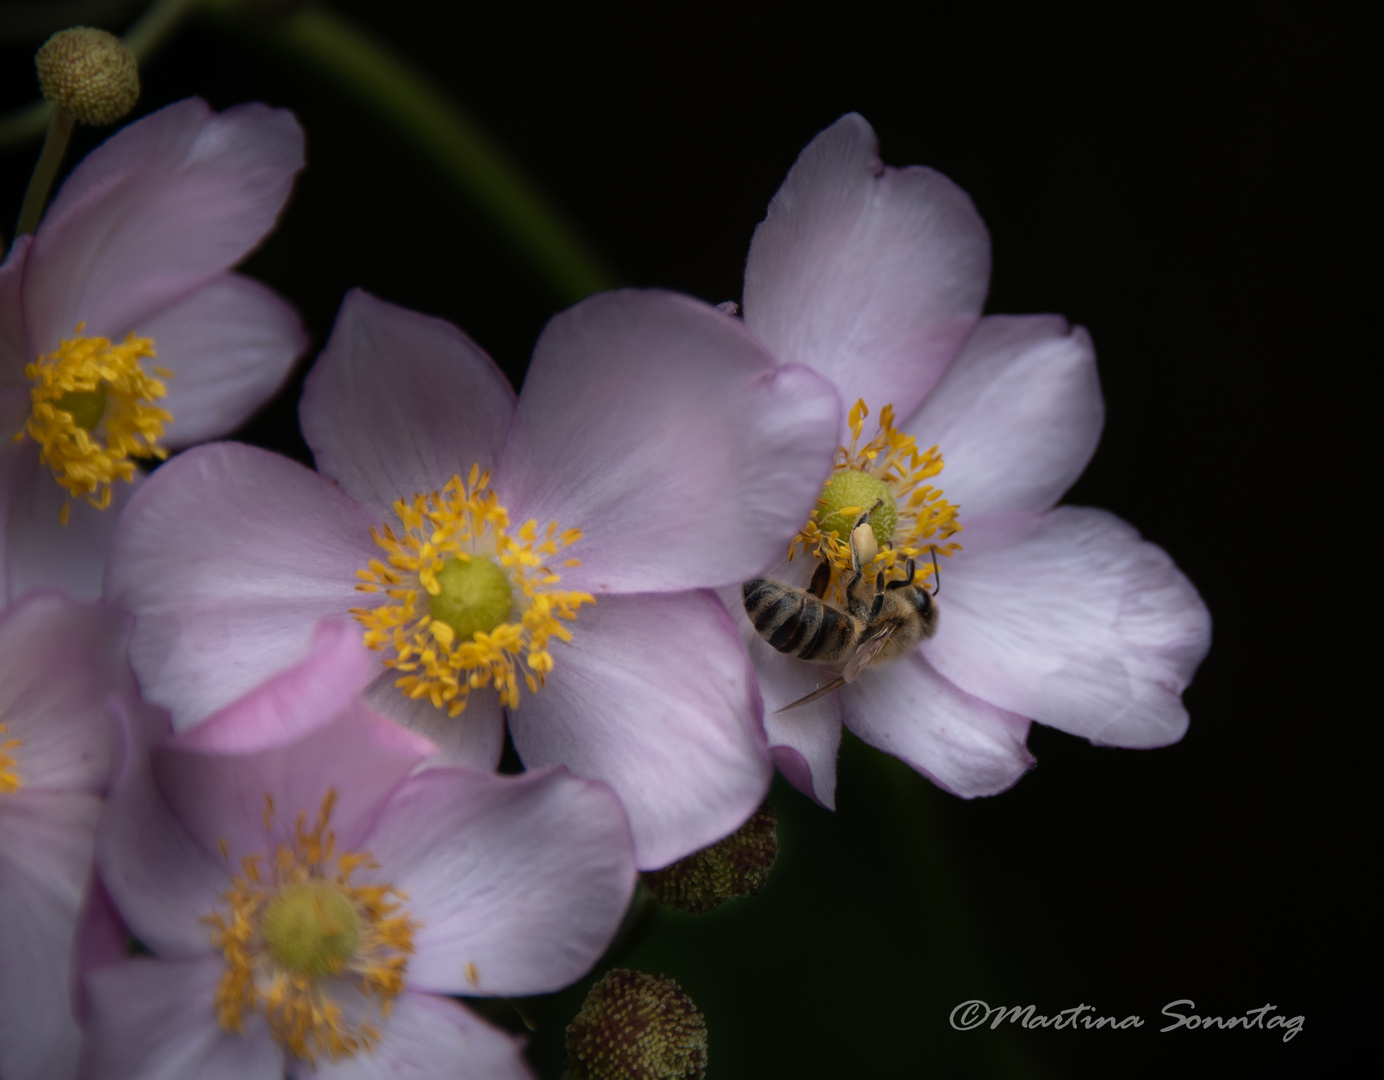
(796, 622)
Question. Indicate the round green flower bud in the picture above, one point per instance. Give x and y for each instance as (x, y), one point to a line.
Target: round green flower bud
(474, 598)
(90, 73)
(851, 493)
(736, 866)
(634, 1026)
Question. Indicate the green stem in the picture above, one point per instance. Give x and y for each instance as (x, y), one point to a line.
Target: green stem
(45, 172)
(412, 106)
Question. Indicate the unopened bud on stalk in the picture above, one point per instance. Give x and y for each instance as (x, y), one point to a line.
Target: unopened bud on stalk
(634, 1026)
(89, 73)
(736, 866)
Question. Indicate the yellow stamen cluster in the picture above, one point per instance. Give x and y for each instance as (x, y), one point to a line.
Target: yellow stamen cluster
(92, 411)
(925, 518)
(9, 767)
(464, 521)
(300, 1006)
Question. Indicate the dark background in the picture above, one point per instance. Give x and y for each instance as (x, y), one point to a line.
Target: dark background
(1182, 183)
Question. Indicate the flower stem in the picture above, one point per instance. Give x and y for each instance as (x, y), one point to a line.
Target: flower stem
(363, 67)
(45, 171)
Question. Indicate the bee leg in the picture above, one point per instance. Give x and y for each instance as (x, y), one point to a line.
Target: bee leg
(904, 582)
(877, 604)
(820, 580)
(857, 606)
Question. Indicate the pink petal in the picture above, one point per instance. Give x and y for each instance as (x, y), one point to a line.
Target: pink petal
(162, 207)
(59, 662)
(227, 560)
(654, 695)
(473, 740)
(1017, 416)
(45, 857)
(14, 342)
(42, 550)
(520, 882)
(1070, 619)
(660, 428)
(163, 881)
(99, 940)
(872, 276)
(289, 742)
(152, 1020)
(399, 403)
(959, 742)
(229, 346)
(803, 743)
(426, 1037)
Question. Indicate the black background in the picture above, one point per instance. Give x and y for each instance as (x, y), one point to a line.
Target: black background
(1184, 184)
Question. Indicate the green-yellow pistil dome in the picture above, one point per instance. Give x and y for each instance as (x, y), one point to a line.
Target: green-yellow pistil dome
(846, 496)
(299, 938)
(92, 411)
(913, 517)
(473, 596)
(311, 928)
(469, 602)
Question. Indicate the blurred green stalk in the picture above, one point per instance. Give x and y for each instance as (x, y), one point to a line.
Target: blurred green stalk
(316, 38)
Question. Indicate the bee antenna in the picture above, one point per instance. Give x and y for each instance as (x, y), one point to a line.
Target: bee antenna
(936, 572)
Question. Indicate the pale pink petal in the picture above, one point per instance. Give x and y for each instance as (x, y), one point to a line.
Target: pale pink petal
(519, 882)
(473, 740)
(872, 276)
(59, 662)
(803, 743)
(227, 560)
(42, 550)
(229, 346)
(163, 881)
(14, 342)
(660, 428)
(243, 775)
(1070, 619)
(45, 857)
(426, 1038)
(152, 1020)
(960, 743)
(162, 207)
(100, 939)
(399, 403)
(1017, 417)
(655, 696)
(15, 462)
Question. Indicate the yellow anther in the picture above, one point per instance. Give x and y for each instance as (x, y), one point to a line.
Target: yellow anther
(10, 779)
(470, 599)
(92, 412)
(924, 519)
(295, 921)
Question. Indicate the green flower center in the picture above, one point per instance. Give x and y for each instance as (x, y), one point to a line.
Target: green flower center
(473, 596)
(86, 406)
(849, 494)
(311, 928)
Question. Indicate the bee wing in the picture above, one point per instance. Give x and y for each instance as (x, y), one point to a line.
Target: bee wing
(866, 652)
(820, 692)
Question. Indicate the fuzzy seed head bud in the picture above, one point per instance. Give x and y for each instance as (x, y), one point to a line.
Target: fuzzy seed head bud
(90, 73)
(634, 1026)
(736, 866)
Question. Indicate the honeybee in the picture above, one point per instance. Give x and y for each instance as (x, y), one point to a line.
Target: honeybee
(877, 625)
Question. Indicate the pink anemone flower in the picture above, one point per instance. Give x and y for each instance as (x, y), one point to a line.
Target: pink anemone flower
(549, 558)
(875, 277)
(123, 333)
(60, 662)
(311, 908)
